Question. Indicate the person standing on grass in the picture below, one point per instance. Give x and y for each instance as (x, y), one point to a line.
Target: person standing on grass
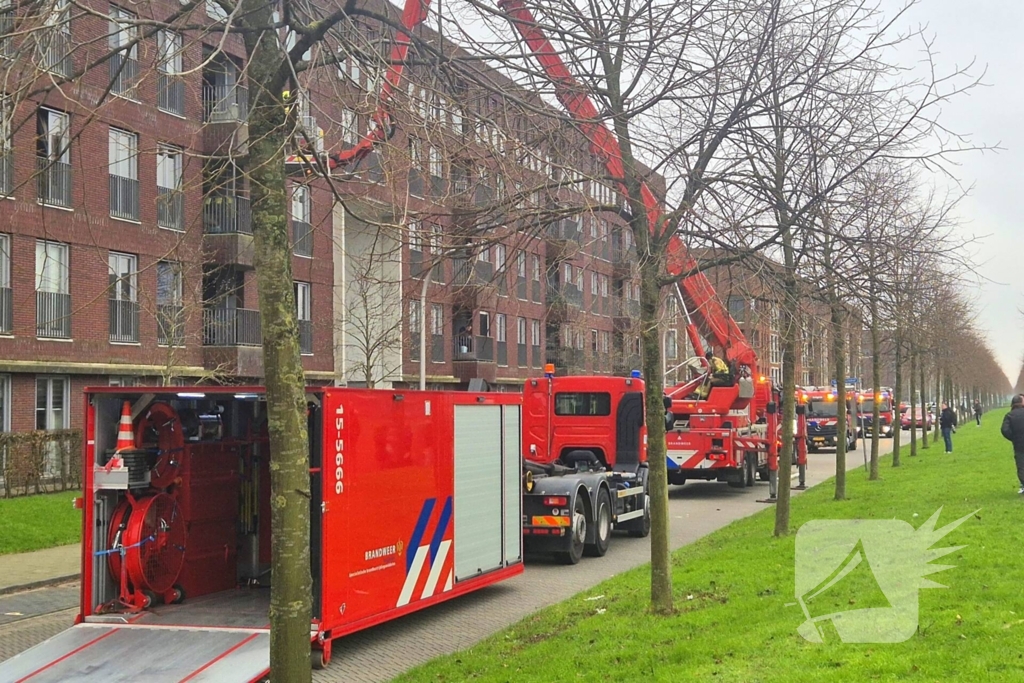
(977, 412)
(947, 423)
(1013, 430)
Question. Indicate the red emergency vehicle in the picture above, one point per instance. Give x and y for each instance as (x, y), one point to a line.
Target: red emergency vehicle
(176, 529)
(822, 417)
(866, 401)
(585, 454)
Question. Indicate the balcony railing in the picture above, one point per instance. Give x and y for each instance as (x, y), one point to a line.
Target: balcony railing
(6, 310)
(124, 197)
(302, 237)
(225, 103)
(170, 208)
(170, 324)
(6, 169)
(170, 93)
(124, 321)
(53, 315)
(231, 327)
(471, 271)
(124, 75)
(54, 47)
(6, 29)
(223, 213)
(306, 337)
(468, 347)
(54, 181)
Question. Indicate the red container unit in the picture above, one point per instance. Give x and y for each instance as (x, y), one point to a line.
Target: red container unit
(415, 498)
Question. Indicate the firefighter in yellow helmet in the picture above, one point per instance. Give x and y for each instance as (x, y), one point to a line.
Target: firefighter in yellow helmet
(718, 375)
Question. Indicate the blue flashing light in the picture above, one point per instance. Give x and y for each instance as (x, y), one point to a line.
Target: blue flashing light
(635, 374)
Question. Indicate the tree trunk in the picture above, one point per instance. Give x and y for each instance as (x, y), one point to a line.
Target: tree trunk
(938, 398)
(661, 562)
(924, 404)
(913, 402)
(839, 361)
(897, 392)
(876, 383)
(291, 584)
(790, 334)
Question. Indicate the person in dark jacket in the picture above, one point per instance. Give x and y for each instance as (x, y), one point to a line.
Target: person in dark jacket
(947, 423)
(977, 412)
(1013, 430)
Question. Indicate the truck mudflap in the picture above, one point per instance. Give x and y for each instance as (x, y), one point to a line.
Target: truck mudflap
(116, 653)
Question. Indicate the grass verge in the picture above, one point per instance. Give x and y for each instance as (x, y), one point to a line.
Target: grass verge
(36, 522)
(737, 617)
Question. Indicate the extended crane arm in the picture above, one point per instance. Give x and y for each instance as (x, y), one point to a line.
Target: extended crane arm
(699, 295)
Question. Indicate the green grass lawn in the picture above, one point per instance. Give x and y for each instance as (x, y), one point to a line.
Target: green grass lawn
(737, 618)
(36, 522)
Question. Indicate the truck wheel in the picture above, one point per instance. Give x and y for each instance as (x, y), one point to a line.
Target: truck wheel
(762, 474)
(577, 534)
(749, 468)
(602, 526)
(317, 659)
(642, 528)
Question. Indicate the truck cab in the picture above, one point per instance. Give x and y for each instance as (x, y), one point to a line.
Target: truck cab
(585, 463)
(822, 406)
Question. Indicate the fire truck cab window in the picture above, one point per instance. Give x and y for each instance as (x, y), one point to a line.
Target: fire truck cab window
(583, 403)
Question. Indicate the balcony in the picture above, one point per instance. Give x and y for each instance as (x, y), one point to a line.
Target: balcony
(124, 75)
(231, 327)
(6, 310)
(564, 302)
(124, 321)
(170, 208)
(562, 239)
(53, 315)
(225, 103)
(124, 197)
(54, 48)
(306, 337)
(567, 361)
(302, 238)
(170, 93)
(626, 312)
(226, 213)
(474, 358)
(54, 181)
(232, 340)
(170, 325)
(623, 260)
(473, 283)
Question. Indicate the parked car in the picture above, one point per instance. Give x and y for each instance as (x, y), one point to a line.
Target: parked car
(926, 421)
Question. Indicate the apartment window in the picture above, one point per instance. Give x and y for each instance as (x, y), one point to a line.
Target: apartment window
(55, 41)
(593, 341)
(52, 403)
(170, 87)
(604, 285)
(414, 322)
(536, 269)
(123, 149)
(436, 168)
(580, 278)
(6, 294)
(499, 256)
(6, 155)
(53, 297)
(304, 316)
(485, 324)
(605, 342)
(124, 64)
(170, 319)
(484, 255)
(415, 236)
(774, 354)
(53, 158)
(671, 345)
(534, 333)
(124, 308)
(170, 204)
(349, 127)
(595, 287)
(302, 228)
(567, 273)
(499, 326)
(521, 265)
(436, 235)
(5, 401)
(737, 308)
(415, 166)
(437, 320)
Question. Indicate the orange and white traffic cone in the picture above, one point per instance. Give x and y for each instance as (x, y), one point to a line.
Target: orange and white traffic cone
(125, 437)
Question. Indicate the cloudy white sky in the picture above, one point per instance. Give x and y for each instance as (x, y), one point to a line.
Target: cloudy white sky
(990, 32)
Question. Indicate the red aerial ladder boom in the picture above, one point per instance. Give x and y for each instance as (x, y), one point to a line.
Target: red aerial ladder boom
(698, 294)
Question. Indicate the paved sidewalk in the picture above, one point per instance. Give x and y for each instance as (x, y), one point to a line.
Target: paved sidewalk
(21, 571)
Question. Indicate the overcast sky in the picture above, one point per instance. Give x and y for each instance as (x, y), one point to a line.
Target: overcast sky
(989, 31)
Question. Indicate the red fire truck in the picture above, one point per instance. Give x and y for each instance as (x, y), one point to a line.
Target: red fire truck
(866, 401)
(176, 529)
(585, 458)
(821, 405)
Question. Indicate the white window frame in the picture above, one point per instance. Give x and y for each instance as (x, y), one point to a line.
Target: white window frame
(671, 344)
(123, 273)
(521, 264)
(415, 236)
(500, 327)
(303, 301)
(123, 153)
(122, 30)
(521, 331)
(414, 316)
(349, 126)
(176, 288)
(53, 255)
(5, 260)
(301, 203)
(169, 52)
(534, 333)
(169, 167)
(48, 409)
(5, 403)
(437, 320)
(58, 135)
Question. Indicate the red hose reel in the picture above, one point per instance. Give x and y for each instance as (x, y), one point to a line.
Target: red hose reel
(147, 544)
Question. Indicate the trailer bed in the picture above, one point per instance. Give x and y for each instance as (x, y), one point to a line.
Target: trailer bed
(127, 653)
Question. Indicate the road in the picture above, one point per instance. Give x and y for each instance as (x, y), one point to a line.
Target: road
(380, 653)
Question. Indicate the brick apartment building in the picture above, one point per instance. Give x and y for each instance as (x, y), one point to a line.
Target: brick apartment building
(126, 240)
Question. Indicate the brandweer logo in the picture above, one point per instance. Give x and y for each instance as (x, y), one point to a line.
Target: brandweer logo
(882, 564)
